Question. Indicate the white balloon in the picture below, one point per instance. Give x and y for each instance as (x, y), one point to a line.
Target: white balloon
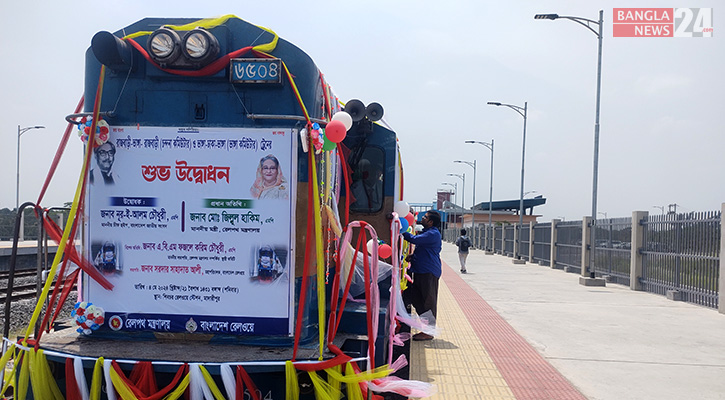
(402, 208)
(343, 117)
(371, 243)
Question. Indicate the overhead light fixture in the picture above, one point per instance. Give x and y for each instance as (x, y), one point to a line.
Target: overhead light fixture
(546, 16)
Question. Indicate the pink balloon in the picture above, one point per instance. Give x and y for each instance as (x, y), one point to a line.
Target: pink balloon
(385, 251)
(335, 131)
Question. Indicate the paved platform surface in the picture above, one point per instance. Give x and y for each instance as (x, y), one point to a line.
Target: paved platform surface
(531, 332)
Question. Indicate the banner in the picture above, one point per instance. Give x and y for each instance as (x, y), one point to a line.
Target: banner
(194, 229)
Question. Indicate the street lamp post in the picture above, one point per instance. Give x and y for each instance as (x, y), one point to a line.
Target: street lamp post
(473, 206)
(463, 193)
(523, 112)
(586, 23)
(490, 189)
(17, 182)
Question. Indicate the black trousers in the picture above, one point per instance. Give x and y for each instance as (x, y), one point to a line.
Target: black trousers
(422, 293)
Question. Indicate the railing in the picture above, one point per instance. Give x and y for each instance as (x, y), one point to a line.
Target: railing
(569, 246)
(542, 243)
(682, 253)
(509, 232)
(677, 255)
(613, 249)
(524, 240)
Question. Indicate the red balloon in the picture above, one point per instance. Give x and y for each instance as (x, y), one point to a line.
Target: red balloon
(385, 251)
(411, 219)
(335, 131)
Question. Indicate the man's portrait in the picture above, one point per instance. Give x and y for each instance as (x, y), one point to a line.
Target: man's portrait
(105, 155)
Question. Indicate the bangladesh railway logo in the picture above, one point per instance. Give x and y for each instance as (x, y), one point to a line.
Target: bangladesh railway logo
(116, 323)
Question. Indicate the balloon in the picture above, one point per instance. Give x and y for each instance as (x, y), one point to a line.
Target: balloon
(403, 225)
(402, 208)
(411, 219)
(335, 131)
(343, 117)
(385, 251)
(328, 145)
(371, 243)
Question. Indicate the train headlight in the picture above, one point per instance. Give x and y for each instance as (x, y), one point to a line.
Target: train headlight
(163, 45)
(200, 46)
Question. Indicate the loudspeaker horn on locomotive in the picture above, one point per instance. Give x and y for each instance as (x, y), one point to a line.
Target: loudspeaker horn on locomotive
(374, 111)
(356, 109)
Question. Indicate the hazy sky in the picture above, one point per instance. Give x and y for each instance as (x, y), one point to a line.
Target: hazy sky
(433, 65)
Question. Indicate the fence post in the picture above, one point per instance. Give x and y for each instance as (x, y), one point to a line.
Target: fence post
(637, 243)
(586, 245)
(518, 230)
(552, 248)
(721, 278)
(531, 241)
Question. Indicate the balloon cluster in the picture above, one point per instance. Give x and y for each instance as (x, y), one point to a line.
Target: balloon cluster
(327, 139)
(318, 137)
(407, 219)
(88, 317)
(384, 249)
(84, 130)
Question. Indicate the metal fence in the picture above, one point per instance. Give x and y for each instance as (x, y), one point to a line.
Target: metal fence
(681, 252)
(542, 243)
(524, 240)
(498, 239)
(509, 231)
(612, 253)
(569, 246)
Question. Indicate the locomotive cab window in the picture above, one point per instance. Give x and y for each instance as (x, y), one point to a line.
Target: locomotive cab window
(367, 181)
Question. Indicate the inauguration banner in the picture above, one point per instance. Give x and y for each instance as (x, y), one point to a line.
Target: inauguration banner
(194, 228)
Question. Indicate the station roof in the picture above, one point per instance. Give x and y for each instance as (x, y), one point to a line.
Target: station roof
(504, 205)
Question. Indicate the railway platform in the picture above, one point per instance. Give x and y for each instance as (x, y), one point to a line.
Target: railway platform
(531, 332)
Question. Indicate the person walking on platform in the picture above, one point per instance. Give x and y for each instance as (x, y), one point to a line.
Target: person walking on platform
(463, 243)
(425, 266)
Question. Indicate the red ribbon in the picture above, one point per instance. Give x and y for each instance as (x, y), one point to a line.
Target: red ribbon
(71, 385)
(306, 268)
(143, 375)
(242, 379)
(59, 153)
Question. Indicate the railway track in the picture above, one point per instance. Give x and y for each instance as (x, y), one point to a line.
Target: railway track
(4, 275)
(20, 291)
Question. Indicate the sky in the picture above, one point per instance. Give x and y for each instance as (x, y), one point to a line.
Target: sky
(433, 66)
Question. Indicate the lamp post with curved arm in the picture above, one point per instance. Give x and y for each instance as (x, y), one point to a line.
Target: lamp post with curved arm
(523, 112)
(463, 192)
(473, 206)
(490, 191)
(17, 182)
(600, 24)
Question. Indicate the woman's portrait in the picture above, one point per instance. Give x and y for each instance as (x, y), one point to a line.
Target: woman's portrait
(270, 183)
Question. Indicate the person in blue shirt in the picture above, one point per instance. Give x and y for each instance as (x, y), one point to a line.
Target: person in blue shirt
(425, 266)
